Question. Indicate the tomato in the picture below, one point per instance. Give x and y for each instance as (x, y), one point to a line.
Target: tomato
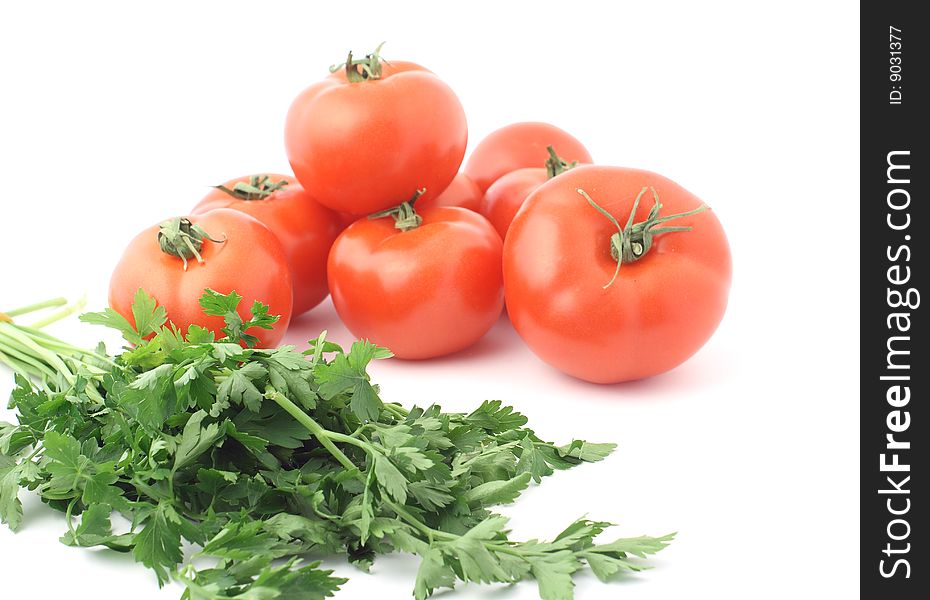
(428, 291)
(305, 228)
(246, 258)
(517, 146)
(577, 312)
(462, 192)
(506, 195)
(364, 139)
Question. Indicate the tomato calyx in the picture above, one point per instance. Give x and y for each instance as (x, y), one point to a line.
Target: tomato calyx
(556, 165)
(633, 241)
(361, 69)
(405, 216)
(258, 187)
(182, 238)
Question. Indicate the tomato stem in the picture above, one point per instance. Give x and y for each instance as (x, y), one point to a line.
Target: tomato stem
(405, 217)
(180, 237)
(633, 241)
(556, 165)
(258, 187)
(361, 69)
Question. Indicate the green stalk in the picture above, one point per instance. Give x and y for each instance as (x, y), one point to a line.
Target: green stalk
(52, 303)
(14, 352)
(324, 436)
(61, 314)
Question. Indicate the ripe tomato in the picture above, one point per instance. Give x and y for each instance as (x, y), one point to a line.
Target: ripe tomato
(364, 139)
(462, 192)
(506, 195)
(247, 258)
(428, 291)
(573, 308)
(517, 146)
(305, 228)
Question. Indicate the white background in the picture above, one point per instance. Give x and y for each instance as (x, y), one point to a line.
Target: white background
(114, 116)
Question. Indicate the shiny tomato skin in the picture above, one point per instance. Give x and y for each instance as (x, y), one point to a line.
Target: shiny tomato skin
(427, 292)
(520, 145)
(305, 228)
(462, 192)
(660, 310)
(251, 262)
(506, 195)
(367, 146)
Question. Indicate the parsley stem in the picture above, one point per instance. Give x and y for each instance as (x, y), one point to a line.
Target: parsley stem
(22, 310)
(60, 314)
(397, 411)
(422, 527)
(69, 519)
(312, 426)
(12, 350)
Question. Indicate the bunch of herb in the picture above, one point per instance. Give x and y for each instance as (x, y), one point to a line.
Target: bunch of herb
(261, 457)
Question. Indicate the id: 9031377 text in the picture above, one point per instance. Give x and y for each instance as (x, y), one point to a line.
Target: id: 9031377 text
(895, 95)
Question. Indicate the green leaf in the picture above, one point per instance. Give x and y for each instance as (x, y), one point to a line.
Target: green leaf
(75, 474)
(639, 546)
(112, 319)
(431, 496)
(195, 440)
(533, 460)
(553, 573)
(497, 492)
(289, 527)
(347, 373)
(151, 406)
(477, 563)
(158, 545)
(11, 509)
(305, 583)
(390, 478)
(149, 317)
(239, 386)
(199, 335)
(95, 530)
(433, 573)
(225, 305)
(605, 567)
(494, 417)
(586, 451)
(244, 540)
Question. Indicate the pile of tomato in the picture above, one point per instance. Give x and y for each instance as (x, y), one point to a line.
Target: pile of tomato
(608, 273)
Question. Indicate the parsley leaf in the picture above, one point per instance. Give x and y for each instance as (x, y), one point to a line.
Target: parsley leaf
(347, 373)
(225, 305)
(158, 545)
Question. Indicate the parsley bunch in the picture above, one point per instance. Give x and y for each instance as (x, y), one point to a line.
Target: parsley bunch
(261, 457)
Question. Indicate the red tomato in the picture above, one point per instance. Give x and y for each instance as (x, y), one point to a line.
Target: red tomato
(517, 146)
(304, 228)
(669, 294)
(462, 192)
(429, 291)
(366, 138)
(506, 195)
(251, 261)
(346, 219)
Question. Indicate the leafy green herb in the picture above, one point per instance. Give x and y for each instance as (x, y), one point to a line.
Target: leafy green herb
(259, 457)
